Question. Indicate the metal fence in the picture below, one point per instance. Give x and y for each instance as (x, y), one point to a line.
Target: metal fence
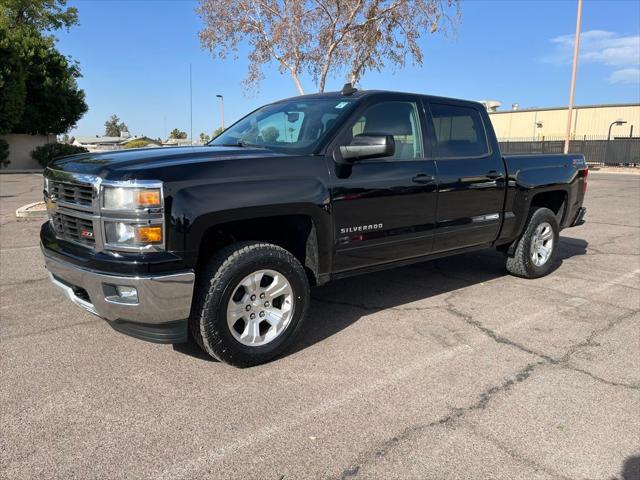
(597, 150)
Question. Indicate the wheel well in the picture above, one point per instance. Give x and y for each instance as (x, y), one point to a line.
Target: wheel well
(554, 201)
(295, 233)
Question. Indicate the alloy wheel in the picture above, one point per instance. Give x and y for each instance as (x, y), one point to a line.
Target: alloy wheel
(260, 308)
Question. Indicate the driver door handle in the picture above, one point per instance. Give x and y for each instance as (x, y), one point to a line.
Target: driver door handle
(493, 175)
(423, 178)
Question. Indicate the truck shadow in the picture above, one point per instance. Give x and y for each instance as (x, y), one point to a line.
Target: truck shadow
(631, 468)
(341, 303)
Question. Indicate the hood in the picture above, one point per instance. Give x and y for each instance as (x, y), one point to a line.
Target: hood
(124, 162)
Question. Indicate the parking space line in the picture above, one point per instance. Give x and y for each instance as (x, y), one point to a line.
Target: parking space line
(187, 469)
(11, 249)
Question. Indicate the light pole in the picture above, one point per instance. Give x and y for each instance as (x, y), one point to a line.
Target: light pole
(574, 69)
(190, 105)
(606, 150)
(616, 122)
(221, 110)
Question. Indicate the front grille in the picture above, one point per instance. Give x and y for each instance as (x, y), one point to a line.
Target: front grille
(73, 229)
(75, 216)
(72, 207)
(72, 193)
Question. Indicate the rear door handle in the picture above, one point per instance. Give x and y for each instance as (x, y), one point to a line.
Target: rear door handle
(493, 175)
(423, 178)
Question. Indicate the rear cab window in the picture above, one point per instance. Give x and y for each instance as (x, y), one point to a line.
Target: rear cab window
(459, 131)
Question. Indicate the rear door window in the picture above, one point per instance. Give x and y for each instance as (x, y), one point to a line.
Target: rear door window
(459, 131)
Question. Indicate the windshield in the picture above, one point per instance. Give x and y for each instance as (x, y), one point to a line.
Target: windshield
(295, 126)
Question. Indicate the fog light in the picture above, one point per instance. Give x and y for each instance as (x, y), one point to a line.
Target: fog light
(127, 294)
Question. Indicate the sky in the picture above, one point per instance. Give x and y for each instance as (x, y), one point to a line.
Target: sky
(135, 57)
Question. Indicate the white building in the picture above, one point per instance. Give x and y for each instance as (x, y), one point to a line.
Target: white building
(103, 143)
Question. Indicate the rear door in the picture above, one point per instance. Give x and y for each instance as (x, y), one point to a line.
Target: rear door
(471, 177)
(384, 208)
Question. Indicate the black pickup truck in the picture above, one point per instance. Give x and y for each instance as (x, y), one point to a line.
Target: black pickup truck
(222, 242)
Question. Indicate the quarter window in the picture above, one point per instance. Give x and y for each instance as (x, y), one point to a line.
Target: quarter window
(459, 131)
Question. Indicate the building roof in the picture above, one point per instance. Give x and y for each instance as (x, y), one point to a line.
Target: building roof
(99, 140)
(102, 140)
(576, 107)
(178, 141)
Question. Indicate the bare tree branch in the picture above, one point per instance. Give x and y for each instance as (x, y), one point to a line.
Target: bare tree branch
(322, 37)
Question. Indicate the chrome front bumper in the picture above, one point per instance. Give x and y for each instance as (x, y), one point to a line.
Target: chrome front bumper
(161, 298)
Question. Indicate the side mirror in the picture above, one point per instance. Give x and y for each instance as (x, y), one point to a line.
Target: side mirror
(365, 146)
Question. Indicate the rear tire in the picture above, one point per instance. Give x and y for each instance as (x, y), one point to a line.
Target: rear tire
(536, 249)
(233, 318)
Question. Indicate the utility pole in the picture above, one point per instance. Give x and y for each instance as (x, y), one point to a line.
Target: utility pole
(574, 70)
(190, 106)
(221, 110)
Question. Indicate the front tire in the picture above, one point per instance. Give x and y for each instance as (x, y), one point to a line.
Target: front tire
(250, 303)
(537, 247)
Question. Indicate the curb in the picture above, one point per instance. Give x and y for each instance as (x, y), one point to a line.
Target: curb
(32, 210)
(25, 171)
(613, 172)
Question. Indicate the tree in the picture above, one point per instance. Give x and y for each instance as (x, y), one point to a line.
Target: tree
(204, 138)
(39, 15)
(38, 85)
(217, 132)
(13, 87)
(53, 101)
(177, 134)
(270, 134)
(45, 154)
(322, 36)
(113, 127)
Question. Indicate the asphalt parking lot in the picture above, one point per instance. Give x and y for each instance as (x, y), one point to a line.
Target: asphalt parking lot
(444, 370)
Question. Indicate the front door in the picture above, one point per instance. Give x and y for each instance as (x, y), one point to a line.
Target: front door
(384, 208)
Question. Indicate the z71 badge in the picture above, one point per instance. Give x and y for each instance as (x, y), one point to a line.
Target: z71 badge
(360, 228)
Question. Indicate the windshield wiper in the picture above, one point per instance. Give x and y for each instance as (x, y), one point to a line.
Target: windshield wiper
(239, 143)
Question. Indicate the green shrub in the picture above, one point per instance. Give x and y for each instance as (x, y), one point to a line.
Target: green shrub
(4, 153)
(137, 144)
(46, 154)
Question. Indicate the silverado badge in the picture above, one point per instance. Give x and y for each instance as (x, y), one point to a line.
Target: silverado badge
(361, 228)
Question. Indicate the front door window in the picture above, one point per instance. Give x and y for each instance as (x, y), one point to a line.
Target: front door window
(399, 119)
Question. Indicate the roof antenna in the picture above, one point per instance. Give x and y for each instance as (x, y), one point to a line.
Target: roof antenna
(348, 89)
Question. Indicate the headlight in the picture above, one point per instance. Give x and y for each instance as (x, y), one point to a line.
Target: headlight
(132, 215)
(131, 198)
(126, 234)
